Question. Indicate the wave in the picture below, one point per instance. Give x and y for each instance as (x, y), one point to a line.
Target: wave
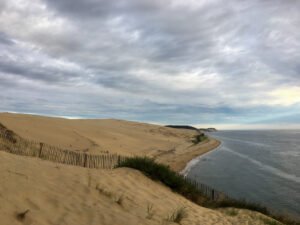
(242, 141)
(196, 160)
(289, 153)
(267, 168)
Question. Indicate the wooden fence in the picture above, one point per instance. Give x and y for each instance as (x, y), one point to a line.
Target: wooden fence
(12, 143)
(208, 191)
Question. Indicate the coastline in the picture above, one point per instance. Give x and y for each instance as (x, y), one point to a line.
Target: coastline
(170, 147)
(194, 161)
(184, 158)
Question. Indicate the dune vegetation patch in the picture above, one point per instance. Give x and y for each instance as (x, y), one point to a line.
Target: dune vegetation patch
(231, 212)
(181, 185)
(199, 138)
(115, 197)
(177, 215)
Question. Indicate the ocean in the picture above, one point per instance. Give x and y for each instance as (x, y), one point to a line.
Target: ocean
(259, 166)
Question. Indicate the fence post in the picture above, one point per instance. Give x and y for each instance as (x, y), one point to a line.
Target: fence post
(41, 148)
(119, 160)
(85, 160)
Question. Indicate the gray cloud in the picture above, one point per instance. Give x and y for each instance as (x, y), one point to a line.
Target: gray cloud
(4, 40)
(151, 60)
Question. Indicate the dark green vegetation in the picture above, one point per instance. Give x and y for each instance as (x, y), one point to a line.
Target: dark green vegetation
(179, 184)
(182, 127)
(231, 212)
(162, 173)
(199, 138)
(210, 129)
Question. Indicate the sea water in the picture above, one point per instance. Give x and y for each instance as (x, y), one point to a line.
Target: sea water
(259, 166)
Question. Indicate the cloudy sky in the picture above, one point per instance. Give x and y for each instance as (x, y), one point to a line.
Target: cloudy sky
(229, 64)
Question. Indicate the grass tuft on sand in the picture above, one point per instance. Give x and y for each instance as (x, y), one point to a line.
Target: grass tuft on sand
(177, 215)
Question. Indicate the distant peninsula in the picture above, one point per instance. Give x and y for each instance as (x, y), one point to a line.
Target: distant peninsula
(210, 129)
(183, 127)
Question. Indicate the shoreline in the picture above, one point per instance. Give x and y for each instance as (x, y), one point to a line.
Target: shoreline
(184, 158)
(194, 161)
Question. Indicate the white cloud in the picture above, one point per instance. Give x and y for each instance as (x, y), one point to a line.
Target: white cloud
(154, 61)
(285, 96)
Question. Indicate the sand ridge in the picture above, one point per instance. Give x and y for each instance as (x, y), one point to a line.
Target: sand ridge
(97, 136)
(61, 194)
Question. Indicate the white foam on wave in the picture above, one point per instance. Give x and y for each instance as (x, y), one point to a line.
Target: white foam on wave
(289, 153)
(267, 168)
(244, 142)
(195, 161)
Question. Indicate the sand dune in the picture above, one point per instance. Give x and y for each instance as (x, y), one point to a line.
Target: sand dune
(96, 135)
(168, 145)
(34, 191)
(60, 194)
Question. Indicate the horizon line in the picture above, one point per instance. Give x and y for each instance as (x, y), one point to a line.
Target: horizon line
(219, 127)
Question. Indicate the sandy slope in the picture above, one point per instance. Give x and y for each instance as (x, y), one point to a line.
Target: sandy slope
(168, 145)
(59, 194)
(96, 135)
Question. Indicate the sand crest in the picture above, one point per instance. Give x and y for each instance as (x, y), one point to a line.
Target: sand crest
(168, 145)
